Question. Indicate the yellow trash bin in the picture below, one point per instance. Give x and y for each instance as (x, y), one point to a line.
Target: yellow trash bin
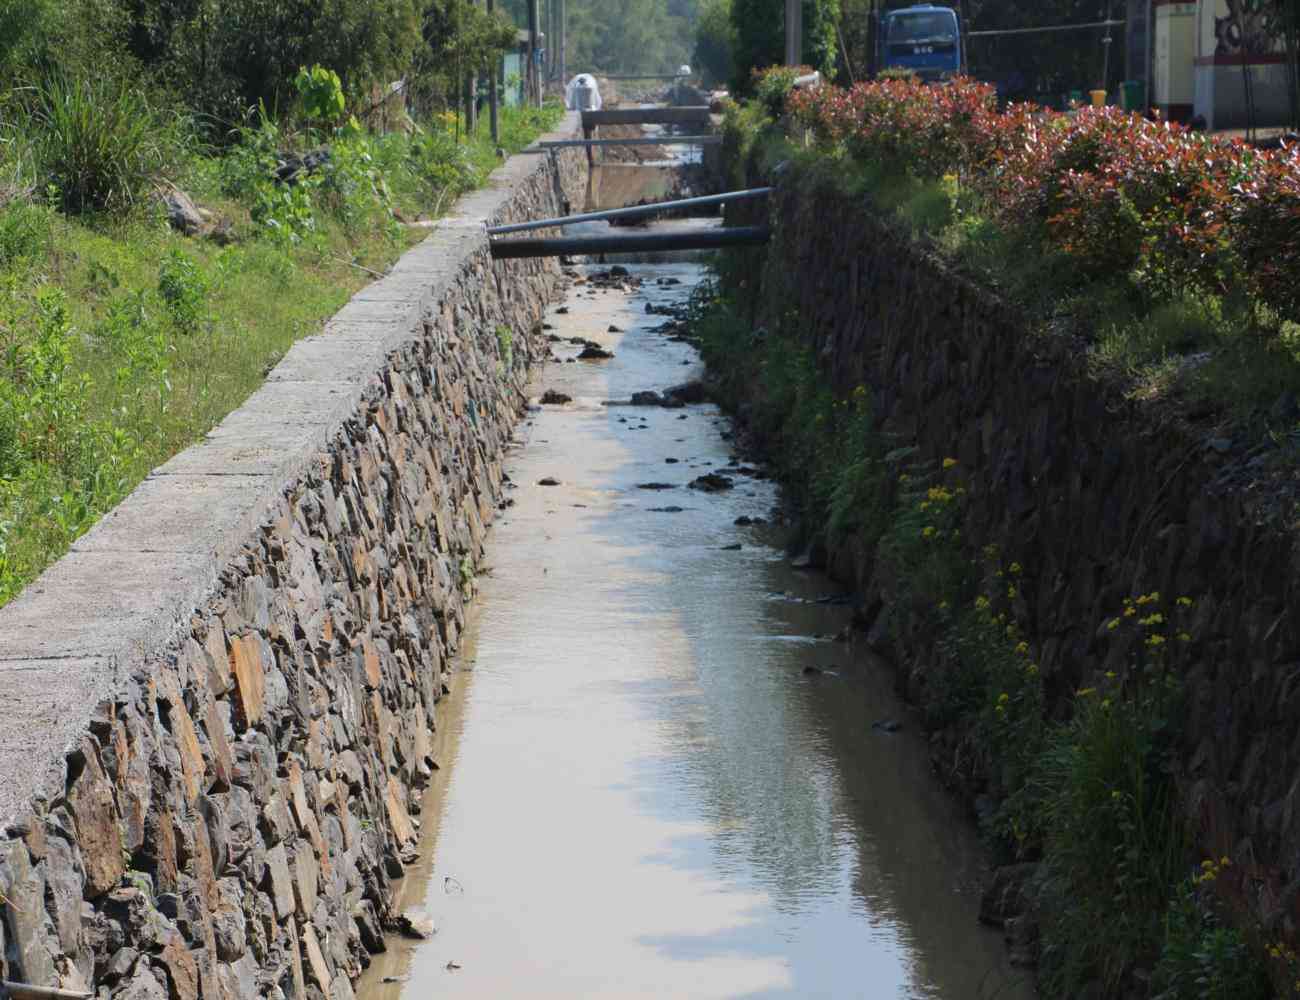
(1098, 98)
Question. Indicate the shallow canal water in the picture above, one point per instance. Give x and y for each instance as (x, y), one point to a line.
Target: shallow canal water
(644, 791)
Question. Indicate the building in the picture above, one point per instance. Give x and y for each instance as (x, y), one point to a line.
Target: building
(514, 68)
(1222, 61)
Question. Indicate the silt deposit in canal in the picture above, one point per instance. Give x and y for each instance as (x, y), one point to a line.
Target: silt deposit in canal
(660, 774)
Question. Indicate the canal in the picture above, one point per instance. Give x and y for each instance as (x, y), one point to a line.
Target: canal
(660, 772)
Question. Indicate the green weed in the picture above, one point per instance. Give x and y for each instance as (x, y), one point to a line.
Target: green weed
(99, 143)
(1201, 956)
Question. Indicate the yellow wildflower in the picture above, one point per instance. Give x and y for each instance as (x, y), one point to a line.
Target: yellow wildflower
(1015, 569)
(1129, 612)
(925, 505)
(1155, 640)
(948, 463)
(943, 605)
(1084, 692)
(1003, 698)
(904, 478)
(1113, 624)
(1184, 637)
(1022, 648)
(1110, 675)
(1032, 670)
(1152, 619)
(1012, 593)
(927, 531)
(981, 603)
(1184, 602)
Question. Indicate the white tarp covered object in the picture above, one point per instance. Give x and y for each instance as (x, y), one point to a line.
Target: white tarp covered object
(582, 94)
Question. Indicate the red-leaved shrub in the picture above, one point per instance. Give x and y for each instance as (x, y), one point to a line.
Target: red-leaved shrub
(1118, 193)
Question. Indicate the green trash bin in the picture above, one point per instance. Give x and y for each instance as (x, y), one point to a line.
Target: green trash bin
(1132, 95)
(1076, 98)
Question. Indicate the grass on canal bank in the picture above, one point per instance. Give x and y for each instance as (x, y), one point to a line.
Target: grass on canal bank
(122, 341)
(1123, 905)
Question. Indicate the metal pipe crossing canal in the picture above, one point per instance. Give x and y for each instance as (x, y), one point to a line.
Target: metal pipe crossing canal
(631, 212)
(699, 239)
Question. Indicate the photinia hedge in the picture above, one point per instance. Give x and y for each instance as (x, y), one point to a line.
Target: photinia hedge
(1117, 192)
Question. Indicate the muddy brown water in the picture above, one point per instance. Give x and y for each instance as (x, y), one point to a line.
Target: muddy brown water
(642, 793)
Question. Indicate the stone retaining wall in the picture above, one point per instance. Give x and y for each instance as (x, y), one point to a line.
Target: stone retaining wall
(216, 710)
(1099, 496)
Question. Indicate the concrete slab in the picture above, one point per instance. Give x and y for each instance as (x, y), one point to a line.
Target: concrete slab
(200, 514)
(37, 729)
(105, 604)
(330, 359)
(303, 402)
(400, 313)
(247, 445)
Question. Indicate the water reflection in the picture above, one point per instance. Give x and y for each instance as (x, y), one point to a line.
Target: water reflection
(649, 796)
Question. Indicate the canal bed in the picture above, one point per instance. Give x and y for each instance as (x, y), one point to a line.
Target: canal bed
(661, 775)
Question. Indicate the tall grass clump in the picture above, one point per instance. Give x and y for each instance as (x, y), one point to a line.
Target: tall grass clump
(97, 143)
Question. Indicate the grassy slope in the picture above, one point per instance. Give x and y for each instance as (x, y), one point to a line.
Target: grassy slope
(106, 372)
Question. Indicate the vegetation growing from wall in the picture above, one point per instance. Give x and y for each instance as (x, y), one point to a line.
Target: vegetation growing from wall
(1126, 907)
(1080, 777)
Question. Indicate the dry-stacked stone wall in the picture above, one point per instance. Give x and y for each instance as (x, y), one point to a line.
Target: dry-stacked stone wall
(1098, 495)
(216, 711)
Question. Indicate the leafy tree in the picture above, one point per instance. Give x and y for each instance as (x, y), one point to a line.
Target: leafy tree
(37, 36)
(714, 42)
(460, 38)
(760, 36)
(224, 56)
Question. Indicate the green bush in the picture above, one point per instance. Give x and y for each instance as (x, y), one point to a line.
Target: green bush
(25, 235)
(98, 143)
(321, 93)
(1201, 956)
(715, 40)
(183, 288)
(1113, 842)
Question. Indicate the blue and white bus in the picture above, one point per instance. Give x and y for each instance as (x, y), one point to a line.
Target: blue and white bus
(925, 39)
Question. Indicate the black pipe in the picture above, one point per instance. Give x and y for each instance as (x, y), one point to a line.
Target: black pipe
(696, 239)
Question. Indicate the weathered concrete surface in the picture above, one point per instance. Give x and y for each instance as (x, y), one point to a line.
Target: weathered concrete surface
(215, 711)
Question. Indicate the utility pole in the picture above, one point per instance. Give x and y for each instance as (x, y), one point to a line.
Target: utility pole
(551, 32)
(493, 71)
(533, 77)
(793, 32)
(560, 42)
(1105, 44)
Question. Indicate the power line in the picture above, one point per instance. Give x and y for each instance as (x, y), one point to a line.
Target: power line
(1035, 31)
